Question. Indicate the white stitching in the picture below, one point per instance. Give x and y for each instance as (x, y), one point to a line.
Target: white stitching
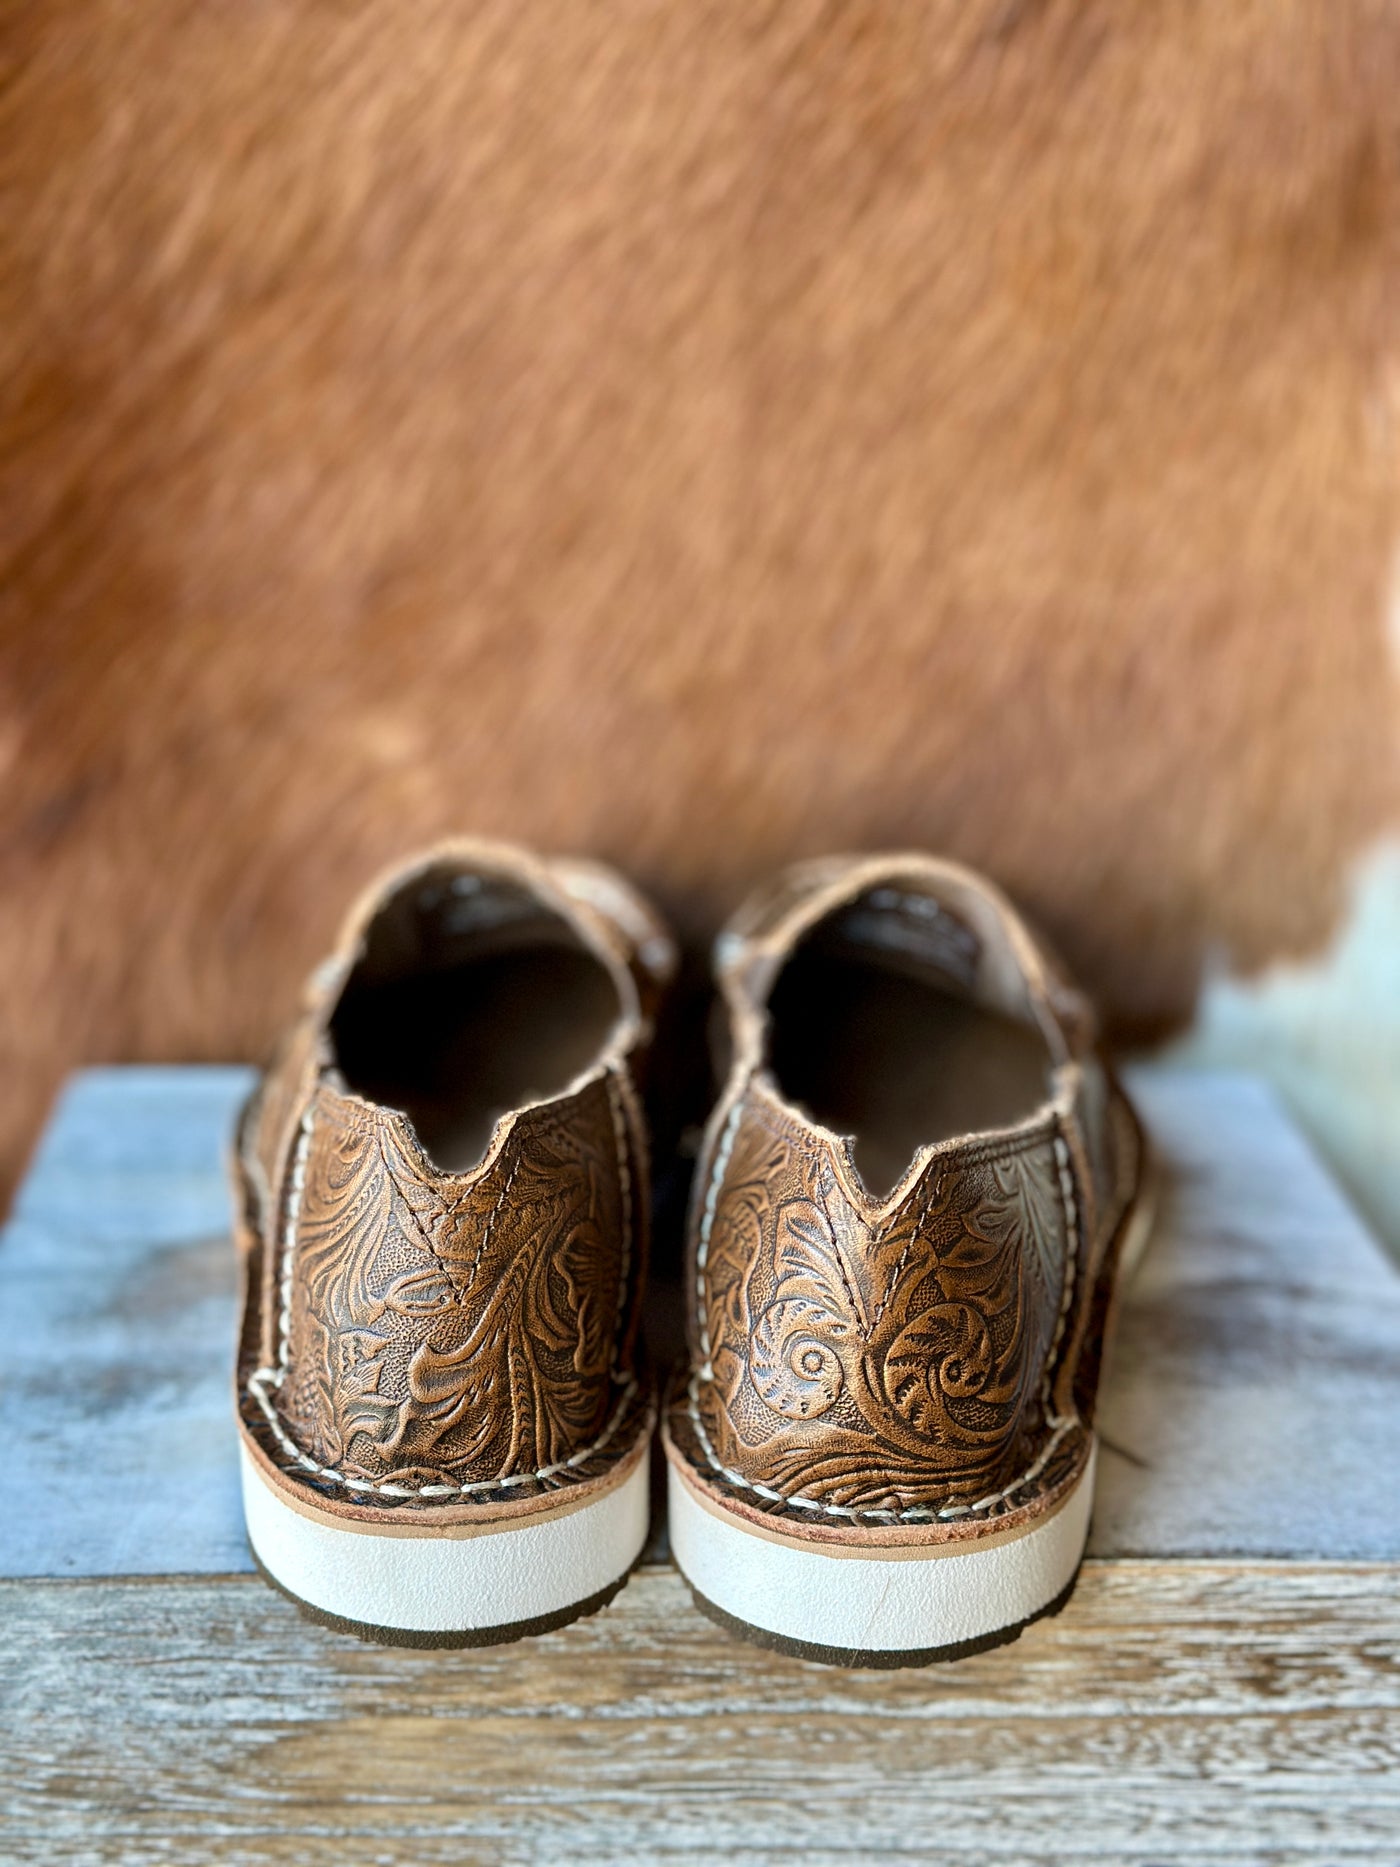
(916, 1514)
(624, 1184)
(707, 1221)
(289, 1238)
(263, 1378)
(1060, 1423)
(1071, 1206)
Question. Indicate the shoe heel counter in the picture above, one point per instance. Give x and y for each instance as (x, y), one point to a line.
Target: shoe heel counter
(461, 1328)
(870, 1363)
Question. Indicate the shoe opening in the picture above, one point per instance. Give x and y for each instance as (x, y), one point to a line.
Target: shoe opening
(877, 1030)
(472, 997)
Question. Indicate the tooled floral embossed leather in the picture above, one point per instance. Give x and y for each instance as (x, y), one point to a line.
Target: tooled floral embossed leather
(460, 1338)
(917, 1364)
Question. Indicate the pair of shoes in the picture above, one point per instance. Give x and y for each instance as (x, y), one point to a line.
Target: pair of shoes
(912, 1204)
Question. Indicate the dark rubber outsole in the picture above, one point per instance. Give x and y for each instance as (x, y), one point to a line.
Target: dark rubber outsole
(876, 1659)
(452, 1637)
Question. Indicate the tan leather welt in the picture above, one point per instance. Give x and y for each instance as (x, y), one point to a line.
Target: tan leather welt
(456, 1521)
(921, 1542)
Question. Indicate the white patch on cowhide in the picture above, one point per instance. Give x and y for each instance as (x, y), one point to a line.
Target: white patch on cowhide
(1326, 1034)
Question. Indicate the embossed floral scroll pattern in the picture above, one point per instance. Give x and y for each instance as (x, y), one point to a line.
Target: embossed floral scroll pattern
(890, 1363)
(456, 1328)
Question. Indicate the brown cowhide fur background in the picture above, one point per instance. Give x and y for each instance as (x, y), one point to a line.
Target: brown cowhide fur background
(697, 433)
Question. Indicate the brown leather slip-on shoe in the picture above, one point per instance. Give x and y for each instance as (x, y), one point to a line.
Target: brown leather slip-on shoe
(912, 1204)
(442, 1202)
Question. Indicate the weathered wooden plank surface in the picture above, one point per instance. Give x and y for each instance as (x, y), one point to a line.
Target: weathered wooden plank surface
(1195, 1711)
(117, 1283)
(1255, 1379)
(1196, 1701)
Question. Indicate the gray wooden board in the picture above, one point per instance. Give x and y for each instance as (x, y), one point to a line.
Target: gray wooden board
(1255, 1379)
(117, 1297)
(1252, 1405)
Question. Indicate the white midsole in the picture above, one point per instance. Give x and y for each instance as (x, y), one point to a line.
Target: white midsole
(448, 1584)
(899, 1601)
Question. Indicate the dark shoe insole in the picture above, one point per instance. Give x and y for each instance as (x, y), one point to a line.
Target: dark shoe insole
(896, 1062)
(457, 1048)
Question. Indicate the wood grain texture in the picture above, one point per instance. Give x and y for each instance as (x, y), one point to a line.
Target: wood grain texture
(1252, 1398)
(116, 1390)
(1224, 1685)
(1204, 1711)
